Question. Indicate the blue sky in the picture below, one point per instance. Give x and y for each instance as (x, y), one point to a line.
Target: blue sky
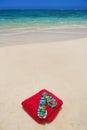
(29, 4)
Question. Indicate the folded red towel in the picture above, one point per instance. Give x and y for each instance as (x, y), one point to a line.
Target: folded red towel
(43, 106)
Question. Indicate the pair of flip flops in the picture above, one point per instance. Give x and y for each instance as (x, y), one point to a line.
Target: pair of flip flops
(43, 106)
(46, 98)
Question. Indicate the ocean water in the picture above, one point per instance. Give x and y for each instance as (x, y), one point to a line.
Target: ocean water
(42, 18)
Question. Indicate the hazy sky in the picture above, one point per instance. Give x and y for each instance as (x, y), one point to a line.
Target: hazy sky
(62, 4)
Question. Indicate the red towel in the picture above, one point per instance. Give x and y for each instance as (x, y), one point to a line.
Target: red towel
(31, 104)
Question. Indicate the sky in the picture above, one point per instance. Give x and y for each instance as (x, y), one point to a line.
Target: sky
(43, 4)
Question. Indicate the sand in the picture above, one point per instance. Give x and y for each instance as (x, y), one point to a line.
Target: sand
(59, 66)
(17, 36)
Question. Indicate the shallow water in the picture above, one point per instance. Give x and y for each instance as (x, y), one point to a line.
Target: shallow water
(42, 18)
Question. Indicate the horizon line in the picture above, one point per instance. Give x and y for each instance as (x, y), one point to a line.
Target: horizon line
(41, 9)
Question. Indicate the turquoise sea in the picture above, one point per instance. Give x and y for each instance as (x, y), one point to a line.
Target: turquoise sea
(41, 18)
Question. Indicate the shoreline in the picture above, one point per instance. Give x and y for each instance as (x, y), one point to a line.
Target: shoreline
(40, 35)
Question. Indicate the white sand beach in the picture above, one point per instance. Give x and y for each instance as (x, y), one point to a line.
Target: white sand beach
(59, 66)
